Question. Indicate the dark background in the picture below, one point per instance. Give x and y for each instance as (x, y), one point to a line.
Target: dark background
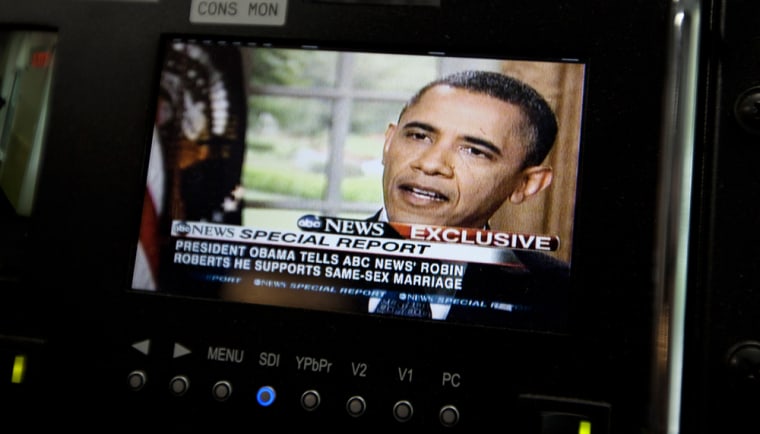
(68, 302)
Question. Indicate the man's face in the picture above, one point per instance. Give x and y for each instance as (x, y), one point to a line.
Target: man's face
(453, 159)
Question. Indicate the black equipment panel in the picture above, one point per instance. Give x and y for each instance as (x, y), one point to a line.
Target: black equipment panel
(721, 365)
(195, 364)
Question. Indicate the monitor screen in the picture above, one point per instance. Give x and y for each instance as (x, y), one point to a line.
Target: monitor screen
(431, 186)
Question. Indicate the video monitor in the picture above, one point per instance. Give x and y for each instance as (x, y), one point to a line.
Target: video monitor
(26, 75)
(431, 186)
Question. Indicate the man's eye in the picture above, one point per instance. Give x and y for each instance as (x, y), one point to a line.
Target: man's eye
(417, 135)
(476, 152)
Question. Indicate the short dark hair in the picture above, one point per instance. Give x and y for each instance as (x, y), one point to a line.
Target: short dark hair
(541, 128)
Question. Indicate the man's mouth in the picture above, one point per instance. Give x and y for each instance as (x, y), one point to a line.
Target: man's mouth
(424, 193)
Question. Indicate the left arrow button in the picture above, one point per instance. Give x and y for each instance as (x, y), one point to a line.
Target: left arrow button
(142, 346)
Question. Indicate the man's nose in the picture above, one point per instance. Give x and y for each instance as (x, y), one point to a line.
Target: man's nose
(435, 159)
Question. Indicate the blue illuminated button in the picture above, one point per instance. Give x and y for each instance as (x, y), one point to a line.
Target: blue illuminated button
(265, 396)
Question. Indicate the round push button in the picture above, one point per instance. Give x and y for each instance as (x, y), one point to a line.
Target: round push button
(265, 396)
(747, 110)
(221, 390)
(136, 380)
(310, 400)
(356, 406)
(179, 385)
(449, 415)
(744, 364)
(403, 411)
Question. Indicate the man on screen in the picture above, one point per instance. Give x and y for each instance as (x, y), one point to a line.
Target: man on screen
(463, 145)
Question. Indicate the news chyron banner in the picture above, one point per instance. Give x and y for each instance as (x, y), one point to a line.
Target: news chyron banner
(350, 265)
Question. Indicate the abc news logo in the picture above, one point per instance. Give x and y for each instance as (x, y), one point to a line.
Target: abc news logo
(310, 222)
(183, 228)
(331, 225)
(187, 229)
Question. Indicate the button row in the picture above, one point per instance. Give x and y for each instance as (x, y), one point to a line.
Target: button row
(180, 384)
(310, 399)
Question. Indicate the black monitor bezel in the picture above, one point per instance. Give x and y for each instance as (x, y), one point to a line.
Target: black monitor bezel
(86, 215)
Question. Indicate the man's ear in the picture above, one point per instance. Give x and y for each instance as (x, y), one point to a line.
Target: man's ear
(534, 179)
(388, 138)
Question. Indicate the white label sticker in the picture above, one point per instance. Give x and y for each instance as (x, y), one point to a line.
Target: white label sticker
(239, 12)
